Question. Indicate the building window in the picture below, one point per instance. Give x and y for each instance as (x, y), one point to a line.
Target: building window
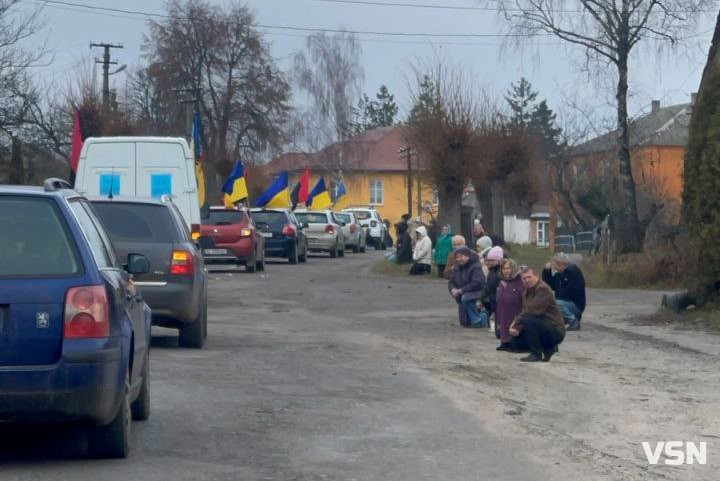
(543, 228)
(376, 192)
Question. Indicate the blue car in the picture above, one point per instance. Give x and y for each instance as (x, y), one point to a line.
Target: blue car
(74, 331)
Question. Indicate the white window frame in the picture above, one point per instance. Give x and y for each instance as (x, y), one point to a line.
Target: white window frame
(376, 186)
(545, 230)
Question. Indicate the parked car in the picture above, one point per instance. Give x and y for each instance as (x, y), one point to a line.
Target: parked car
(284, 236)
(176, 286)
(324, 231)
(371, 221)
(352, 230)
(141, 167)
(235, 239)
(74, 332)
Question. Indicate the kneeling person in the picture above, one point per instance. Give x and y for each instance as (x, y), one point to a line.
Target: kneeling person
(540, 325)
(467, 286)
(567, 281)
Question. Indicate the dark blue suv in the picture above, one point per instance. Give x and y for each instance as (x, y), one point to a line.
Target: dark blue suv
(74, 332)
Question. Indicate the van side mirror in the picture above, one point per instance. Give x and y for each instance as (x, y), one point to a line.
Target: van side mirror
(137, 264)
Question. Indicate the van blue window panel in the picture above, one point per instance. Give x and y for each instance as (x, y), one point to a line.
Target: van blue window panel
(109, 181)
(160, 184)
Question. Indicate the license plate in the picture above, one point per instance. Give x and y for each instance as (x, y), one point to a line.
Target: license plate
(267, 234)
(214, 252)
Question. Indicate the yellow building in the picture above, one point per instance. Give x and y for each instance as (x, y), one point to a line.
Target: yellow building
(374, 168)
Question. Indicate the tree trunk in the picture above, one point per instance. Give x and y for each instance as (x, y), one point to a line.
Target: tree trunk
(629, 232)
(17, 169)
(450, 206)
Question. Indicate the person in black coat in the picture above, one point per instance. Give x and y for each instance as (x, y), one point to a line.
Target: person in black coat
(404, 244)
(467, 285)
(567, 281)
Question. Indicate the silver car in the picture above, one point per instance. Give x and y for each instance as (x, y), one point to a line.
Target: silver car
(353, 231)
(323, 230)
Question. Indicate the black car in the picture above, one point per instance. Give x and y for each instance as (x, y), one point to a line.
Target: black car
(176, 286)
(284, 235)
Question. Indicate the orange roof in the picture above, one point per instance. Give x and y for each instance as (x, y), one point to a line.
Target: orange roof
(373, 150)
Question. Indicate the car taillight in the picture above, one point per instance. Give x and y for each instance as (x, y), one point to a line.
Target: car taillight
(246, 233)
(353, 228)
(86, 313)
(289, 230)
(329, 229)
(182, 264)
(373, 224)
(195, 231)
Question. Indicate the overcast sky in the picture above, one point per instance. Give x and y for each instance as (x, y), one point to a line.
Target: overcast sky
(552, 67)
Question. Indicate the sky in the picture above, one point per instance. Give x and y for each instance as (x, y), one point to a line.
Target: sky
(553, 67)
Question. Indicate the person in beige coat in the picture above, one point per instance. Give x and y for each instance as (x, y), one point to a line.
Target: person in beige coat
(422, 254)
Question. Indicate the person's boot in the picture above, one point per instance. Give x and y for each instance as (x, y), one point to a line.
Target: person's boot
(504, 346)
(532, 358)
(549, 354)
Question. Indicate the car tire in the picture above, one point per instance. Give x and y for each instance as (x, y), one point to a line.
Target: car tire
(251, 265)
(334, 252)
(304, 257)
(293, 257)
(363, 249)
(113, 440)
(141, 406)
(356, 249)
(341, 252)
(193, 335)
(261, 264)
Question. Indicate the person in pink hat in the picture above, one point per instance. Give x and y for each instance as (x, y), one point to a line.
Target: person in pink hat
(492, 261)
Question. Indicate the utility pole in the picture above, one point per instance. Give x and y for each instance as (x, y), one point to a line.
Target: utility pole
(407, 150)
(106, 62)
(191, 102)
(419, 186)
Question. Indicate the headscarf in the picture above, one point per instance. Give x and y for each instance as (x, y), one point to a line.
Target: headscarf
(515, 269)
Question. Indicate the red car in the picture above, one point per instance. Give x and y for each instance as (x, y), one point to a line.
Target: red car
(236, 240)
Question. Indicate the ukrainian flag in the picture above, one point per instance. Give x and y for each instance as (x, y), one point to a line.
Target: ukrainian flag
(340, 195)
(319, 197)
(277, 195)
(235, 187)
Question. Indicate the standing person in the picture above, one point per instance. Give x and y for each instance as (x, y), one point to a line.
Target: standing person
(467, 286)
(457, 241)
(422, 254)
(480, 232)
(388, 237)
(492, 262)
(443, 248)
(509, 301)
(567, 281)
(403, 251)
(540, 325)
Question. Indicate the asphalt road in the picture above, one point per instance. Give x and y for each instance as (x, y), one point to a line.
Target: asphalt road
(292, 385)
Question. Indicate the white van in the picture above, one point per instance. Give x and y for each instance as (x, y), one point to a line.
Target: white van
(141, 167)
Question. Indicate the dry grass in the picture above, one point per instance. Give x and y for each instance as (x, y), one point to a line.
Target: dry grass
(654, 269)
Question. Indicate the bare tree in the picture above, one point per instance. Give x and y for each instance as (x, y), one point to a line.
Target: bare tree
(608, 31)
(243, 96)
(329, 73)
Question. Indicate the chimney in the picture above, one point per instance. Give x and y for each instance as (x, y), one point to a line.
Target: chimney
(693, 98)
(655, 107)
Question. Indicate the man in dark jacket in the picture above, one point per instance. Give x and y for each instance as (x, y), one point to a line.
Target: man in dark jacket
(540, 324)
(568, 283)
(467, 285)
(404, 243)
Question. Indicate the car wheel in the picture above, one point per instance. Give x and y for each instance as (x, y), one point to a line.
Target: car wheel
(251, 264)
(293, 257)
(261, 264)
(141, 406)
(303, 257)
(356, 249)
(334, 252)
(193, 334)
(341, 253)
(113, 440)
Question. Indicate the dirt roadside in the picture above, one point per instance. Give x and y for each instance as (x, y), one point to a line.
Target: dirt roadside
(585, 415)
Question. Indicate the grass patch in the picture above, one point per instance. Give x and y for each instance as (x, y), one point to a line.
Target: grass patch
(388, 268)
(705, 318)
(652, 269)
(529, 255)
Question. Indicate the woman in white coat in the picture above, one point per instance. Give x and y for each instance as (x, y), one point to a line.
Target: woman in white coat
(422, 254)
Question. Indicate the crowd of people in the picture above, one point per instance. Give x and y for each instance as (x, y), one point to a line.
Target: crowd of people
(528, 311)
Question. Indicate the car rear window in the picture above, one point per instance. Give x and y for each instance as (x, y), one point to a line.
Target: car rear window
(274, 220)
(35, 241)
(135, 222)
(312, 218)
(225, 217)
(347, 218)
(362, 215)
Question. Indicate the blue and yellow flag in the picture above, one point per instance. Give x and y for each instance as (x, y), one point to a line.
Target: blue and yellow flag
(199, 156)
(277, 195)
(235, 186)
(340, 195)
(319, 197)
